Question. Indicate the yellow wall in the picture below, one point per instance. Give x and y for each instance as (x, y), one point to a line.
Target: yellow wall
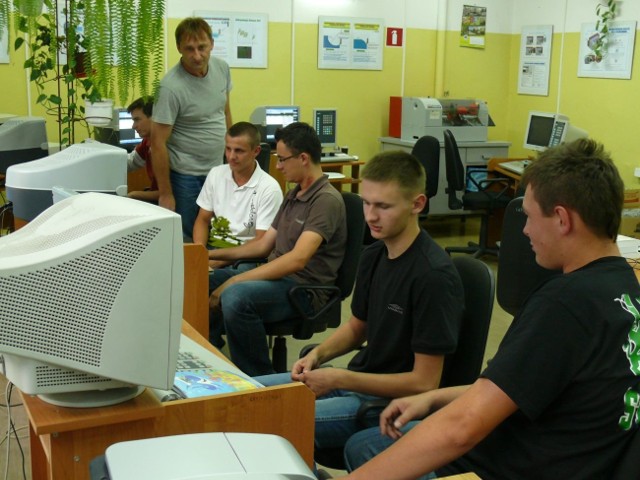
(605, 108)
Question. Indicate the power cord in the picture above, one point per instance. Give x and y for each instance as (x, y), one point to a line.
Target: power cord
(11, 429)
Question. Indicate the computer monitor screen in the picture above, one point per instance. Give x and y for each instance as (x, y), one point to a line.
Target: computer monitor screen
(128, 136)
(92, 294)
(22, 139)
(539, 130)
(324, 121)
(270, 118)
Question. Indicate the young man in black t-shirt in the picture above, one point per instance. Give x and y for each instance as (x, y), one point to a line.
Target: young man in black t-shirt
(560, 397)
(406, 306)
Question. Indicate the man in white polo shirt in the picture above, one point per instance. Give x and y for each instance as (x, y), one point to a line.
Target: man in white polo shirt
(239, 191)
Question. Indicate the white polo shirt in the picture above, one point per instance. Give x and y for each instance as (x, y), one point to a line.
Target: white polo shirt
(248, 208)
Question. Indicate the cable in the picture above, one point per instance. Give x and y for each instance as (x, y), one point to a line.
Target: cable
(11, 428)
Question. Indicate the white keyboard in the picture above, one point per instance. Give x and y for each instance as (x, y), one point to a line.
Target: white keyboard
(516, 166)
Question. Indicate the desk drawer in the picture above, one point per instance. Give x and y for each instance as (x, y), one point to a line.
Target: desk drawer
(480, 156)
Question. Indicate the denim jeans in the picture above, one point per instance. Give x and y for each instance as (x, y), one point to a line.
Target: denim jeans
(368, 443)
(335, 413)
(246, 307)
(186, 189)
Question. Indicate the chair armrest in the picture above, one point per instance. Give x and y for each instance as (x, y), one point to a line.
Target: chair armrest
(306, 328)
(368, 406)
(237, 263)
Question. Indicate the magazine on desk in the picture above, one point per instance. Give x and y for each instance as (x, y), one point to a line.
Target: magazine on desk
(210, 381)
(211, 376)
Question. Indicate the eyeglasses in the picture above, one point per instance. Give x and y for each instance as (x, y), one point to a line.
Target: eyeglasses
(284, 159)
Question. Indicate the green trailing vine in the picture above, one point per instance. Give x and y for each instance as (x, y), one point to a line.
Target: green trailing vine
(606, 12)
(112, 47)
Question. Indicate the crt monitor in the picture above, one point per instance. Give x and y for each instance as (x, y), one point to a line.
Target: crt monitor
(539, 130)
(22, 139)
(270, 118)
(91, 306)
(324, 122)
(546, 130)
(84, 167)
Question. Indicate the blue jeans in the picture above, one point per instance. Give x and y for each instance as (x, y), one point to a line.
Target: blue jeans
(186, 189)
(246, 307)
(335, 413)
(366, 444)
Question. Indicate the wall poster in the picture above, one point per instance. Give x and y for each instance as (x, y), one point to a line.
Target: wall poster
(473, 28)
(618, 59)
(240, 39)
(535, 59)
(350, 43)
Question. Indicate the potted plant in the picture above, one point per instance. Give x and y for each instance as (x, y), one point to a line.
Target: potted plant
(96, 50)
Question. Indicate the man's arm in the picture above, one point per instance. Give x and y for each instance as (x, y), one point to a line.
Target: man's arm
(227, 113)
(201, 227)
(443, 436)
(160, 134)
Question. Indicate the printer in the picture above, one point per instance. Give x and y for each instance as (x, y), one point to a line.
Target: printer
(204, 456)
(413, 117)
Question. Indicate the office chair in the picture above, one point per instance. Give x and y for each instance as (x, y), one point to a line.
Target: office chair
(518, 272)
(264, 157)
(304, 326)
(461, 367)
(427, 151)
(491, 194)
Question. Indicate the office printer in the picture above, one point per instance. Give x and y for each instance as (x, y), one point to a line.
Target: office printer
(207, 456)
(467, 119)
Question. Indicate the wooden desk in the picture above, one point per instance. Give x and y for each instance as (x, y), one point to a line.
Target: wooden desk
(353, 180)
(462, 476)
(64, 440)
(494, 167)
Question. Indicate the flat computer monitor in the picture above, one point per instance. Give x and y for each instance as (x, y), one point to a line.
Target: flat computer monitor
(270, 118)
(92, 293)
(546, 130)
(84, 167)
(325, 124)
(22, 139)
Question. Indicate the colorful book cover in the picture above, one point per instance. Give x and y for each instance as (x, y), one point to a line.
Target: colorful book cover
(210, 381)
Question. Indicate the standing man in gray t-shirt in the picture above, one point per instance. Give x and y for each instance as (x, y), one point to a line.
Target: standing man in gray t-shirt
(190, 118)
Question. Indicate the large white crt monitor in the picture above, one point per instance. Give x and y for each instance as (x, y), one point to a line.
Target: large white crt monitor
(84, 167)
(545, 129)
(91, 304)
(22, 139)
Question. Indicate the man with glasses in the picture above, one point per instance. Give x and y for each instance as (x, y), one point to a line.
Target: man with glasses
(305, 244)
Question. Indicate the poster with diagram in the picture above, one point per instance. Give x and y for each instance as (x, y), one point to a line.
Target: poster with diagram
(240, 39)
(535, 59)
(618, 53)
(4, 46)
(349, 43)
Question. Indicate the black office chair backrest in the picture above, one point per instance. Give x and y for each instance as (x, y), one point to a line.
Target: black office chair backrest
(427, 150)
(518, 272)
(463, 366)
(264, 157)
(355, 232)
(455, 170)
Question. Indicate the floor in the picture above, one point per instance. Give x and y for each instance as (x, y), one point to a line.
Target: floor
(446, 231)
